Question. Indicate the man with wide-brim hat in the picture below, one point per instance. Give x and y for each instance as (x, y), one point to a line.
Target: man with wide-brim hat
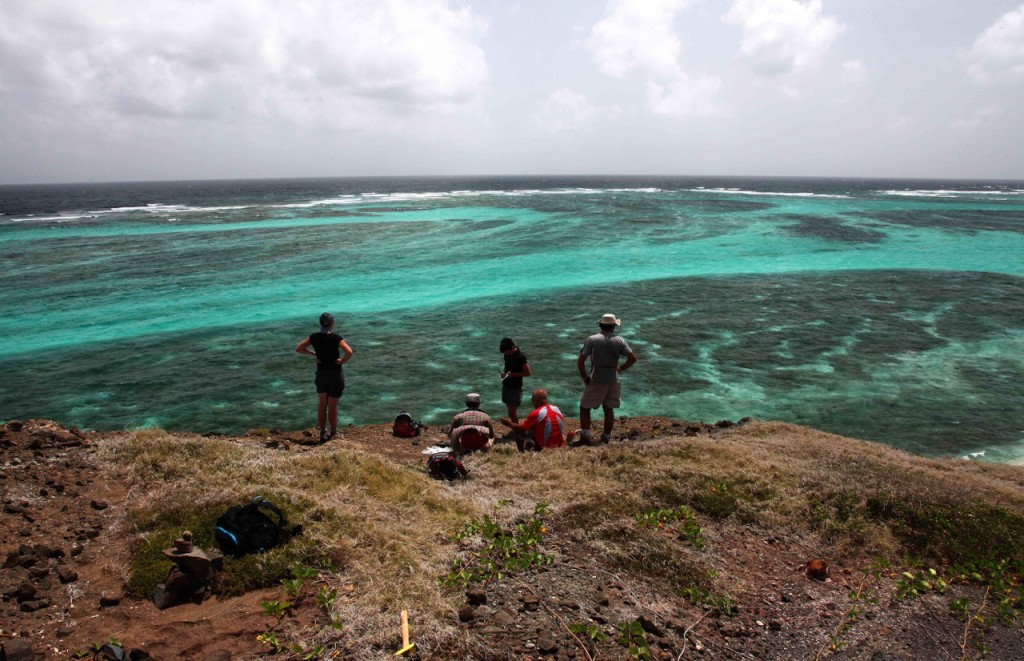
(602, 387)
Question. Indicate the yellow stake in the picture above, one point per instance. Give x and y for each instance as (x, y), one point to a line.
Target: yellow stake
(406, 645)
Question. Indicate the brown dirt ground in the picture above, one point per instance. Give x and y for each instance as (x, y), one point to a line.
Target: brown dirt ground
(58, 508)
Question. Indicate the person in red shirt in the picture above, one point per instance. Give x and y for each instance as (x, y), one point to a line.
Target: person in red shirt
(546, 423)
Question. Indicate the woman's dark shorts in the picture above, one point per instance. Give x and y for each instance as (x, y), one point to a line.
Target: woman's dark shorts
(331, 383)
(511, 395)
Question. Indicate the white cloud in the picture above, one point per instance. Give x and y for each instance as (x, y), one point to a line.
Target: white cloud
(899, 124)
(638, 35)
(344, 64)
(782, 36)
(566, 110)
(685, 97)
(854, 71)
(639, 38)
(978, 119)
(998, 53)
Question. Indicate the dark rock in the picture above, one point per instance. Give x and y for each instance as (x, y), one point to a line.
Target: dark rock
(44, 493)
(45, 583)
(67, 575)
(64, 632)
(24, 592)
(649, 626)
(76, 550)
(775, 625)
(39, 572)
(98, 505)
(17, 649)
(476, 597)
(92, 534)
(164, 598)
(531, 602)
(14, 425)
(108, 601)
(504, 617)
(139, 654)
(724, 424)
(547, 644)
(12, 560)
(467, 613)
(33, 606)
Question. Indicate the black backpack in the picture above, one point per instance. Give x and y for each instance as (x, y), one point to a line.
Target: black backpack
(246, 529)
(445, 466)
(405, 426)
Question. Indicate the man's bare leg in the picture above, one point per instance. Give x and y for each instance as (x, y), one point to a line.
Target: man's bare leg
(609, 422)
(584, 425)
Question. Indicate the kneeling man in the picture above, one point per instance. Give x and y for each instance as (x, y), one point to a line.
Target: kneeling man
(546, 423)
(472, 429)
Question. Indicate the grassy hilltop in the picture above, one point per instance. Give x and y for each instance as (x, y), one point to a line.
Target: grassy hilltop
(677, 540)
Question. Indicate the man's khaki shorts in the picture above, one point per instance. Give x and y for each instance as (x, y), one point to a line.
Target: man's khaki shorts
(601, 394)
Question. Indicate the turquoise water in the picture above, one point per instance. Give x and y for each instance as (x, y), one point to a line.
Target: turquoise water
(886, 310)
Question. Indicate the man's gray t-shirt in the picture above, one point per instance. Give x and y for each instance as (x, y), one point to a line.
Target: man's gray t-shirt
(604, 350)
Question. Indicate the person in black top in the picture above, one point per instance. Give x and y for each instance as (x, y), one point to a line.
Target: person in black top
(516, 367)
(330, 377)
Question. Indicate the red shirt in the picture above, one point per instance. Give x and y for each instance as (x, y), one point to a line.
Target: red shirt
(548, 426)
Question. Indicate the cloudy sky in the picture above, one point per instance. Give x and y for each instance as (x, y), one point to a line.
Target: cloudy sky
(148, 89)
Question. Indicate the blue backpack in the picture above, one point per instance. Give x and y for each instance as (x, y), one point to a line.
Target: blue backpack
(246, 529)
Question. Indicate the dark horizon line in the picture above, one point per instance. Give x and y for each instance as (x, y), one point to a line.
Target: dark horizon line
(518, 176)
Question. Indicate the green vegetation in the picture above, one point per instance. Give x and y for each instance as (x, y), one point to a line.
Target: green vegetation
(680, 520)
(953, 532)
(699, 596)
(633, 637)
(503, 551)
(157, 527)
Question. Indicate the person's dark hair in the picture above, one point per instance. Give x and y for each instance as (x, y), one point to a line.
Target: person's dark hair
(607, 327)
(506, 344)
(326, 320)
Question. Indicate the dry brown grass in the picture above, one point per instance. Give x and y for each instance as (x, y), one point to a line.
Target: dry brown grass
(392, 527)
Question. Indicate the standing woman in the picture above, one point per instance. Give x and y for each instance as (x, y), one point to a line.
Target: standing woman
(330, 376)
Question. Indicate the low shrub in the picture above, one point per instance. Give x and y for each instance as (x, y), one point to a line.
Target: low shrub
(158, 527)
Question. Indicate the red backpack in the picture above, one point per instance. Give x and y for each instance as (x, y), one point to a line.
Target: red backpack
(445, 466)
(405, 426)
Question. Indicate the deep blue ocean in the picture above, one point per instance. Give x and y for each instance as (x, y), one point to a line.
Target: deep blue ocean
(888, 310)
